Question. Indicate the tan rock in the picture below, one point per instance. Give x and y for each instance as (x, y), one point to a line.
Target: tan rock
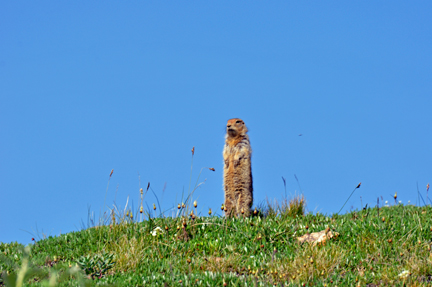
(317, 237)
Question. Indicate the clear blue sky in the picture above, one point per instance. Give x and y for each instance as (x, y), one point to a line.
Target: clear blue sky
(90, 86)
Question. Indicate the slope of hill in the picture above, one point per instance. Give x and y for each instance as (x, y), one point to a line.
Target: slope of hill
(386, 246)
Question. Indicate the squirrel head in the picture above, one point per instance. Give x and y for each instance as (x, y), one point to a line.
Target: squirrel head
(236, 127)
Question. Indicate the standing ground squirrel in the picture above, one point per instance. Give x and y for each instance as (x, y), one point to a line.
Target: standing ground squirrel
(237, 169)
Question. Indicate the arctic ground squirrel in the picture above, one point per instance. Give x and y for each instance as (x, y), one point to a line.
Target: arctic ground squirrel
(237, 169)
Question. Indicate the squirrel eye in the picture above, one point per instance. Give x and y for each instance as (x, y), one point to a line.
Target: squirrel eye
(237, 122)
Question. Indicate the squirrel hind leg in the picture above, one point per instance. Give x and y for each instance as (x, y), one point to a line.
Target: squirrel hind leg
(229, 206)
(243, 206)
(241, 209)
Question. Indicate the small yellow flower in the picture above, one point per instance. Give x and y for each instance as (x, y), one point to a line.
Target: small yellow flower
(141, 209)
(154, 206)
(195, 204)
(210, 211)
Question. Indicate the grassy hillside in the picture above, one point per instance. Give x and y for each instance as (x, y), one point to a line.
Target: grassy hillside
(386, 246)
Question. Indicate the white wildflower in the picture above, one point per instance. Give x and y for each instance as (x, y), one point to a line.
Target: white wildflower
(404, 274)
(156, 231)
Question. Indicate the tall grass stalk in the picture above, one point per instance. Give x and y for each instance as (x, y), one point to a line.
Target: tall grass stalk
(358, 186)
(284, 181)
(298, 182)
(190, 177)
(427, 193)
(106, 192)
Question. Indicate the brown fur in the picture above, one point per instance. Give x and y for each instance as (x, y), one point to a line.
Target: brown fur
(237, 169)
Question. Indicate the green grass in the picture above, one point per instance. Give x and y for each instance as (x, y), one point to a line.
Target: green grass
(374, 246)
